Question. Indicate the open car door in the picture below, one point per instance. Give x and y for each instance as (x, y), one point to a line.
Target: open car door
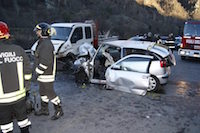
(130, 74)
(105, 56)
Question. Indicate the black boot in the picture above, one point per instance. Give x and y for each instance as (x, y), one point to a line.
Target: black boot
(25, 129)
(44, 109)
(58, 112)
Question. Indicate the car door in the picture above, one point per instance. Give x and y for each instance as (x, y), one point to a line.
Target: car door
(129, 73)
(77, 39)
(100, 62)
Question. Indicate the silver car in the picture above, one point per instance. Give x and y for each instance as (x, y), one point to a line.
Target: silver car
(130, 73)
(110, 52)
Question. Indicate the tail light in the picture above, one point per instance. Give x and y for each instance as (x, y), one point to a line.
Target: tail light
(163, 63)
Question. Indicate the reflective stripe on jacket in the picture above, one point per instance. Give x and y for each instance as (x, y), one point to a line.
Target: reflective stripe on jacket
(14, 70)
(48, 78)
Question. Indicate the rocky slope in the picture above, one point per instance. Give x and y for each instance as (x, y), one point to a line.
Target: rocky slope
(183, 9)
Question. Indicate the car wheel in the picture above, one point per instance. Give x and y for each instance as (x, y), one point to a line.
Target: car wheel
(183, 57)
(154, 84)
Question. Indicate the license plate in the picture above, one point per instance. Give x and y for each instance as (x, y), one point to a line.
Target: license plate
(196, 47)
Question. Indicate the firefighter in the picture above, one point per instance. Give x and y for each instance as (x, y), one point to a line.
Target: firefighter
(45, 68)
(171, 37)
(14, 70)
(149, 37)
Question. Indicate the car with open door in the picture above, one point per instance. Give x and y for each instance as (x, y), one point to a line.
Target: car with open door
(110, 52)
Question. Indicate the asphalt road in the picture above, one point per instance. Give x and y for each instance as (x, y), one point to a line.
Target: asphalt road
(92, 109)
(184, 79)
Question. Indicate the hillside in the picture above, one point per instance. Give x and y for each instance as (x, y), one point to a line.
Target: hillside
(124, 18)
(183, 9)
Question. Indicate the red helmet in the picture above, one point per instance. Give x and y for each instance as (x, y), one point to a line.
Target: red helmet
(4, 31)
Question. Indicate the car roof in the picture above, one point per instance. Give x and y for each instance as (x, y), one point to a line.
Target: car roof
(69, 24)
(143, 45)
(137, 38)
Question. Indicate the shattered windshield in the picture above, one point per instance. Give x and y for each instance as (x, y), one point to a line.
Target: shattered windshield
(192, 30)
(62, 33)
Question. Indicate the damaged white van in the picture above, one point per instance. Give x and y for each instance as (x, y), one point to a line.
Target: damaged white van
(118, 63)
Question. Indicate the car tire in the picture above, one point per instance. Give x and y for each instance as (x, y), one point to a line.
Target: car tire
(154, 84)
(183, 57)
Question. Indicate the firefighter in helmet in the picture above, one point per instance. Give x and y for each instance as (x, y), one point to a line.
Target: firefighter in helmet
(45, 68)
(149, 37)
(15, 71)
(171, 37)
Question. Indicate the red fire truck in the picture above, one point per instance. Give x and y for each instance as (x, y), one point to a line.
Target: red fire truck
(190, 46)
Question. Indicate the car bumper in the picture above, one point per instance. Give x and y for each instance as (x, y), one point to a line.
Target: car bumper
(163, 78)
(189, 53)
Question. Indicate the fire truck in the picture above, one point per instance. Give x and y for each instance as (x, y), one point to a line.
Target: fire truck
(190, 46)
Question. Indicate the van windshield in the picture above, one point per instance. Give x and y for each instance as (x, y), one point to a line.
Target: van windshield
(62, 33)
(192, 29)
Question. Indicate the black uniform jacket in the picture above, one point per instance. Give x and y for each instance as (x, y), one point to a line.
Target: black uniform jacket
(45, 60)
(14, 70)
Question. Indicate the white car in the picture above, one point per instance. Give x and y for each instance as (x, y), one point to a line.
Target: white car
(130, 73)
(110, 52)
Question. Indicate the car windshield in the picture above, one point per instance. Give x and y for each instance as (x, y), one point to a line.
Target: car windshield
(62, 33)
(192, 30)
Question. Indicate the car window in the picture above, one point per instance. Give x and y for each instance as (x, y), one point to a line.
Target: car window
(128, 51)
(77, 35)
(115, 52)
(62, 33)
(87, 32)
(135, 64)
